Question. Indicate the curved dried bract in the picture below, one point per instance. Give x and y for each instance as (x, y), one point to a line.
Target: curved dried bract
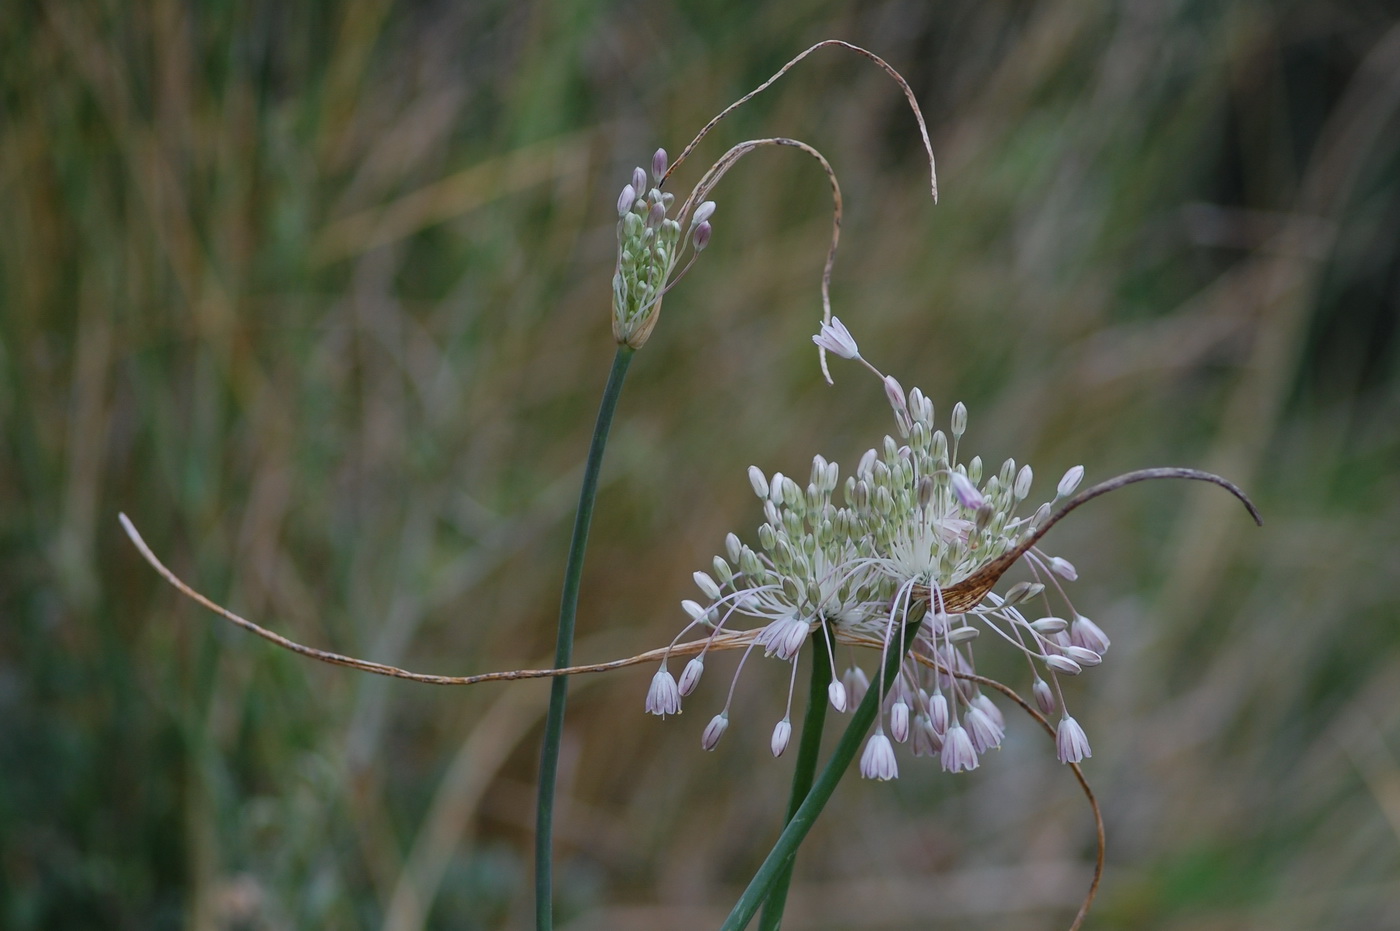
(969, 593)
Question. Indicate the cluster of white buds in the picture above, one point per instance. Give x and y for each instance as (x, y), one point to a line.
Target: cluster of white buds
(649, 245)
(914, 535)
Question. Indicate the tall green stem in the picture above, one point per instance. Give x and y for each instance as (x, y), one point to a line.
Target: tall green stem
(804, 771)
(780, 857)
(564, 648)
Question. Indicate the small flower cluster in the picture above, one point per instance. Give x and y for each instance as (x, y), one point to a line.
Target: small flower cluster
(910, 540)
(648, 247)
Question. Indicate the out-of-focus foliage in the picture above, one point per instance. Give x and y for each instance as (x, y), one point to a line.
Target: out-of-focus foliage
(319, 294)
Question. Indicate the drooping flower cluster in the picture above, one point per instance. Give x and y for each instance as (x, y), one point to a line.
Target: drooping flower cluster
(915, 535)
(649, 245)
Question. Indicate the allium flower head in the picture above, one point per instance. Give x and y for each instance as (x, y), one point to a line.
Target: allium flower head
(649, 247)
(915, 536)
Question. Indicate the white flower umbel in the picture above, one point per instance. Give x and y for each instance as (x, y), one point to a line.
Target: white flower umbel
(916, 536)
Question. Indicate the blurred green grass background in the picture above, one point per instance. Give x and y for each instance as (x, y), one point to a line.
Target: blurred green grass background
(318, 295)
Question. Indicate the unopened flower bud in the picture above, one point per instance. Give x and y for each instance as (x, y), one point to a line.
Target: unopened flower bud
(639, 181)
(659, 164)
(959, 419)
(655, 215)
(1044, 697)
(759, 482)
(626, 199)
(1082, 655)
(703, 212)
(1022, 488)
(836, 694)
(1063, 568)
(690, 676)
(700, 237)
(782, 733)
(714, 730)
(1063, 664)
(1070, 482)
(899, 721)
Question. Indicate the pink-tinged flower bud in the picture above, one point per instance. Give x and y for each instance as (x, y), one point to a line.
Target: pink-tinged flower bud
(690, 676)
(958, 753)
(782, 733)
(626, 199)
(894, 392)
(639, 180)
(1063, 664)
(714, 730)
(1049, 625)
(877, 762)
(1071, 743)
(703, 212)
(938, 713)
(659, 164)
(1070, 482)
(899, 721)
(1063, 568)
(663, 697)
(967, 494)
(1044, 697)
(1085, 633)
(655, 215)
(1082, 656)
(835, 338)
(700, 236)
(836, 694)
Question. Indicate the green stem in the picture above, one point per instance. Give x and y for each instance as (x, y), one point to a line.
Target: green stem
(564, 647)
(764, 881)
(803, 772)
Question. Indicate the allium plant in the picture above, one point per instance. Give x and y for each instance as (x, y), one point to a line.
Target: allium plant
(902, 557)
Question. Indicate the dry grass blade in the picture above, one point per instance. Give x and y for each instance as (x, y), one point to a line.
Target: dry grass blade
(722, 641)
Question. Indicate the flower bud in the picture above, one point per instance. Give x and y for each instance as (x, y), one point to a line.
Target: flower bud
(690, 676)
(782, 733)
(1070, 482)
(714, 730)
(700, 237)
(658, 164)
(703, 212)
(626, 199)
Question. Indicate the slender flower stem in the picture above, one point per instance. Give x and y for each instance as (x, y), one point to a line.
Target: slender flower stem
(564, 647)
(803, 772)
(780, 857)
